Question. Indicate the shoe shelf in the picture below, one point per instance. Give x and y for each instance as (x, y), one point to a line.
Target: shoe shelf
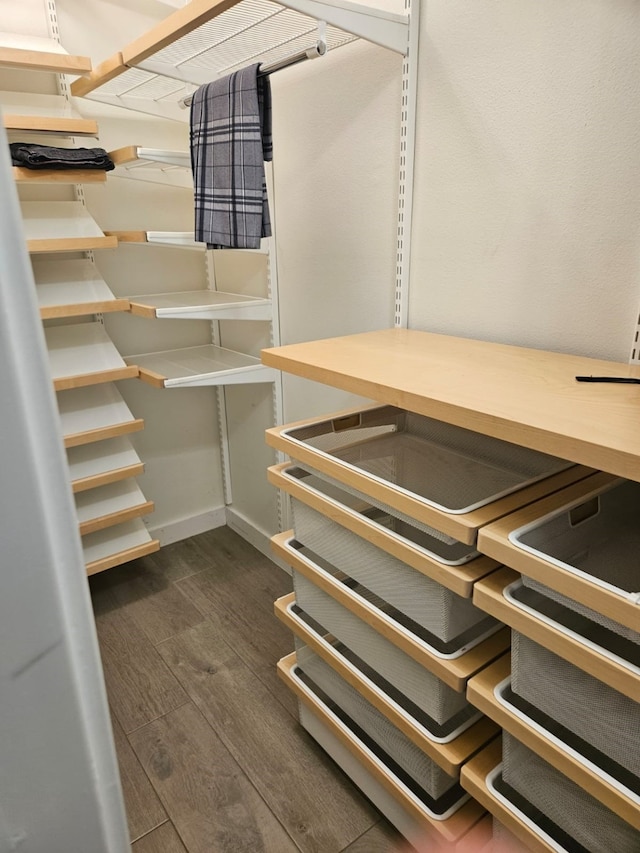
(183, 239)
(62, 226)
(83, 354)
(22, 175)
(33, 53)
(116, 545)
(94, 413)
(201, 305)
(153, 164)
(49, 114)
(102, 462)
(71, 288)
(109, 505)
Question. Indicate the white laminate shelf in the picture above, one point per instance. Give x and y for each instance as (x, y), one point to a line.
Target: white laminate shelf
(113, 546)
(94, 413)
(201, 305)
(109, 505)
(102, 462)
(62, 226)
(49, 114)
(68, 288)
(210, 38)
(179, 239)
(157, 165)
(34, 53)
(203, 365)
(83, 354)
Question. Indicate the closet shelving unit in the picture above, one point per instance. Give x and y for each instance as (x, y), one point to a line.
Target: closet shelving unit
(155, 165)
(83, 360)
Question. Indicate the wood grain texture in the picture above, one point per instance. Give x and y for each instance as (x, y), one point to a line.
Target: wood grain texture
(318, 809)
(139, 684)
(381, 838)
(210, 801)
(164, 839)
(156, 605)
(525, 396)
(182, 559)
(40, 60)
(52, 124)
(144, 809)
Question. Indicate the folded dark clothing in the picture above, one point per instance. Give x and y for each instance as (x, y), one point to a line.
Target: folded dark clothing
(32, 156)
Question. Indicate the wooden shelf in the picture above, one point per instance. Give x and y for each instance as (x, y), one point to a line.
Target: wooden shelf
(109, 505)
(154, 164)
(23, 175)
(489, 595)
(176, 239)
(33, 53)
(495, 541)
(70, 288)
(474, 776)
(449, 755)
(201, 305)
(84, 346)
(117, 545)
(525, 396)
(481, 691)
(48, 114)
(61, 226)
(102, 462)
(451, 828)
(453, 672)
(94, 413)
(203, 365)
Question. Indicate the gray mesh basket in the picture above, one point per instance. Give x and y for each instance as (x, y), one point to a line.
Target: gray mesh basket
(406, 754)
(426, 602)
(598, 538)
(577, 813)
(448, 467)
(428, 692)
(595, 712)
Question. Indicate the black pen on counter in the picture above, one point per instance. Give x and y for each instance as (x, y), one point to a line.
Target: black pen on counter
(625, 380)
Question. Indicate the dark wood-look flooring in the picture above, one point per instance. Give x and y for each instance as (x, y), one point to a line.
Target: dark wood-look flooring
(212, 757)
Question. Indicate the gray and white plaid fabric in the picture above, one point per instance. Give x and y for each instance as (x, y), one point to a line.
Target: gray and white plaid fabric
(230, 140)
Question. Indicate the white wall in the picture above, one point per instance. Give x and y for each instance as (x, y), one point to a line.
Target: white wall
(527, 187)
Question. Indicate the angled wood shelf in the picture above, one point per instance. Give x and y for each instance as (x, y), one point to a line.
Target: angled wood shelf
(61, 226)
(156, 165)
(179, 239)
(22, 175)
(481, 692)
(454, 672)
(450, 828)
(203, 365)
(449, 755)
(48, 114)
(157, 70)
(116, 545)
(71, 288)
(109, 505)
(489, 595)
(201, 305)
(33, 53)
(88, 348)
(94, 413)
(102, 462)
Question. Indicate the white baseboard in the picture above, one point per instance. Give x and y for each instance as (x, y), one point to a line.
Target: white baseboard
(257, 537)
(174, 531)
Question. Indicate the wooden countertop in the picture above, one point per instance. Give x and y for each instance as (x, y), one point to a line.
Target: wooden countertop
(526, 396)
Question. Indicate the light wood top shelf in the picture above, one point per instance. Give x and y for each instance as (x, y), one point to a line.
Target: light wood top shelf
(526, 396)
(33, 53)
(201, 305)
(49, 114)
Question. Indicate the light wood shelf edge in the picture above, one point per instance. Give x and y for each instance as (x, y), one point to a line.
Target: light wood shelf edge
(82, 484)
(51, 124)
(102, 73)
(100, 433)
(79, 309)
(113, 518)
(71, 244)
(23, 175)
(122, 557)
(35, 60)
(65, 383)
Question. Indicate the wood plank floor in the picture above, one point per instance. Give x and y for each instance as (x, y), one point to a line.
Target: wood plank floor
(212, 757)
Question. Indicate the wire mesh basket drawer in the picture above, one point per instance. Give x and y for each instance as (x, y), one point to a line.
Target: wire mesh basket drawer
(603, 719)
(598, 540)
(409, 758)
(421, 687)
(447, 467)
(427, 603)
(574, 814)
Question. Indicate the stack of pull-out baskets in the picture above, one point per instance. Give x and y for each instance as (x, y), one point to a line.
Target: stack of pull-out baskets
(386, 507)
(570, 773)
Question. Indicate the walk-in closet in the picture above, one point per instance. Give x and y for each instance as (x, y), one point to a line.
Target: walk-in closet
(320, 329)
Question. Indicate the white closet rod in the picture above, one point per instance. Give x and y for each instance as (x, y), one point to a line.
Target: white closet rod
(318, 49)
